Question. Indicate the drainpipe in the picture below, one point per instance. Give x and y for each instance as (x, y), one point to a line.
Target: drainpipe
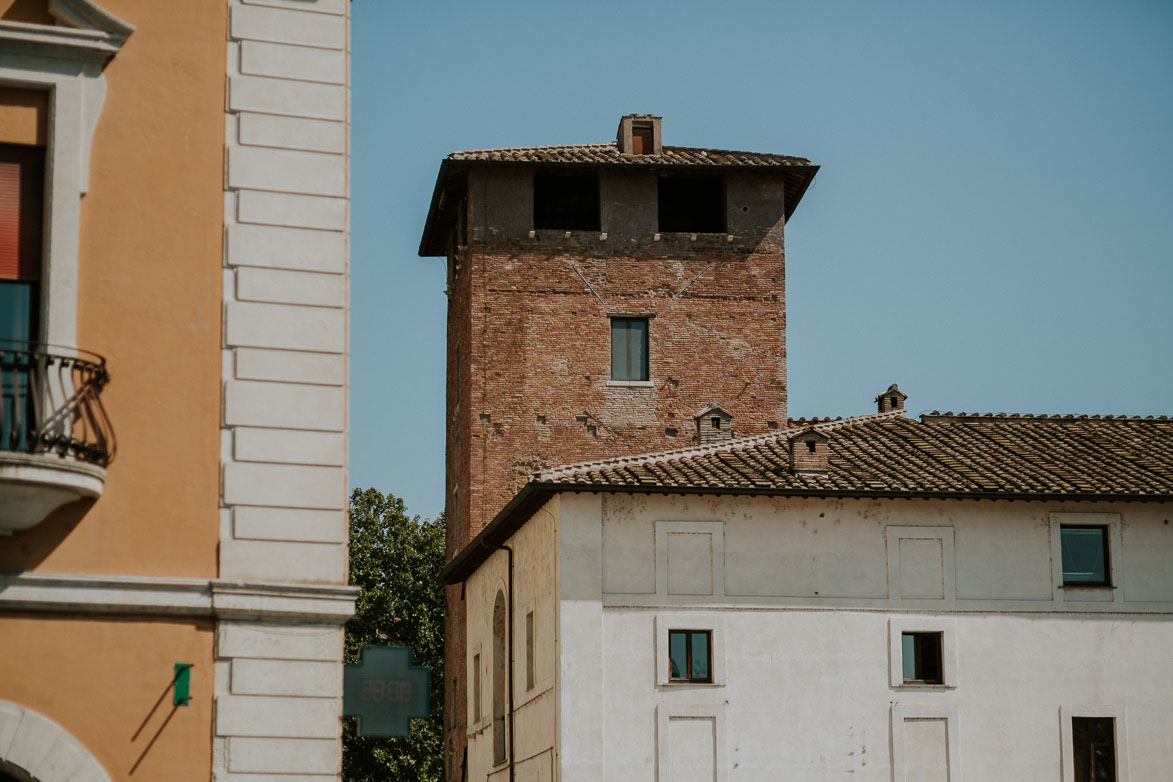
(509, 636)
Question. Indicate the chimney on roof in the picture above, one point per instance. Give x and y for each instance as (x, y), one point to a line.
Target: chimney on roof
(713, 425)
(808, 451)
(639, 134)
(892, 399)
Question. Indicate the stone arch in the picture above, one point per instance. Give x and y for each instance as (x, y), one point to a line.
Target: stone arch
(34, 748)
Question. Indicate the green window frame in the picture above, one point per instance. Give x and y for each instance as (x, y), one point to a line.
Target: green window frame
(629, 349)
(690, 656)
(1085, 555)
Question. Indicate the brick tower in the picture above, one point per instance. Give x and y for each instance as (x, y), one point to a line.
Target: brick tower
(603, 300)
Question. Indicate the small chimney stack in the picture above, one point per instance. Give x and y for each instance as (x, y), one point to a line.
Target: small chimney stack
(809, 452)
(713, 425)
(892, 399)
(639, 134)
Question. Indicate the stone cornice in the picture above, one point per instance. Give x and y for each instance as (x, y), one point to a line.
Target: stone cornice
(195, 597)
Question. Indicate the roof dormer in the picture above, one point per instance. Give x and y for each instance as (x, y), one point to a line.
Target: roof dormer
(713, 425)
(890, 400)
(809, 452)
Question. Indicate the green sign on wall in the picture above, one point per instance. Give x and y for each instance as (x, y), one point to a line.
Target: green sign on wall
(385, 691)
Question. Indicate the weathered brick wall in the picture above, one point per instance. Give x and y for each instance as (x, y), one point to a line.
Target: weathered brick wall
(536, 390)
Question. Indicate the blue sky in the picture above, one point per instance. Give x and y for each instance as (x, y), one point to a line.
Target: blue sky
(991, 227)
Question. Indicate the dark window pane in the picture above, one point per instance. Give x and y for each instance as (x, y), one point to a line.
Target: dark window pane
(700, 657)
(921, 655)
(18, 312)
(1093, 742)
(1084, 555)
(929, 658)
(566, 202)
(678, 654)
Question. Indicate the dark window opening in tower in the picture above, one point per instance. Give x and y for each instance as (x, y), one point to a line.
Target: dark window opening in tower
(566, 202)
(692, 204)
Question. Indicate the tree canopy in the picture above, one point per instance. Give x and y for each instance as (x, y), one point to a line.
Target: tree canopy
(395, 559)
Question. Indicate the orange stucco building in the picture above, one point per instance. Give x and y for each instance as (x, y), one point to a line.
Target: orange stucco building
(173, 348)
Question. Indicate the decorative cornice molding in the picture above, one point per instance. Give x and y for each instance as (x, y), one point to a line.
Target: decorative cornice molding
(88, 15)
(148, 595)
(86, 32)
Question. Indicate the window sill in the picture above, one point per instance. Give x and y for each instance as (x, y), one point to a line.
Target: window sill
(1088, 587)
(631, 383)
(920, 686)
(690, 685)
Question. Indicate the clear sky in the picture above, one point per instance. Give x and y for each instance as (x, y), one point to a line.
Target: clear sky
(991, 228)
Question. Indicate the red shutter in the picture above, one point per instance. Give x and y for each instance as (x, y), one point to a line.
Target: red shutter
(22, 172)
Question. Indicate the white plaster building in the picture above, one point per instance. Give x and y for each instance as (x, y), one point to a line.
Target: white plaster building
(875, 598)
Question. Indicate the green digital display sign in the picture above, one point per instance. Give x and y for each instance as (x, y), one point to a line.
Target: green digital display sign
(385, 691)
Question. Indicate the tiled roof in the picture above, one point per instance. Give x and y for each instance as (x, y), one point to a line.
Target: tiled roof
(942, 454)
(989, 456)
(602, 154)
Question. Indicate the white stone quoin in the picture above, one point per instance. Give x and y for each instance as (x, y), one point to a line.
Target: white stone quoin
(284, 487)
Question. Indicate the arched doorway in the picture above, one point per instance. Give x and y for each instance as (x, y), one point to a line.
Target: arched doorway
(26, 759)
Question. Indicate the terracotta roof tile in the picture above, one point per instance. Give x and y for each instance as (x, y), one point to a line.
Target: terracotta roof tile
(942, 454)
(609, 154)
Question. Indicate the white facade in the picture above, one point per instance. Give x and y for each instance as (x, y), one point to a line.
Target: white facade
(806, 601)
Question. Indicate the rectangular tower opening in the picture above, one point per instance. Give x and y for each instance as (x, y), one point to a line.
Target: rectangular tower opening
(566, 202)
(692, 204)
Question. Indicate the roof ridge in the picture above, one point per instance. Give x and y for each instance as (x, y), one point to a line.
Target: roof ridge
(1060, 417)
(657, 457)
(611, 144)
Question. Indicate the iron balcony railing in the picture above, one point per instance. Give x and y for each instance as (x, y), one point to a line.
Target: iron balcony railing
(49, 402)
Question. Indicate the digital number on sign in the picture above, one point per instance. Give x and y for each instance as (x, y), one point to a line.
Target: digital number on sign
(390, 691)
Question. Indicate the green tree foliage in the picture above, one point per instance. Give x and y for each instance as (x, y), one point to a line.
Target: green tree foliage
(395, 559)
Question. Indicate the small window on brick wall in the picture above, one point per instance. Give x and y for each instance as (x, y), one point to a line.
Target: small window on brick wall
(566, 202)
(692, 204)
(629, 348)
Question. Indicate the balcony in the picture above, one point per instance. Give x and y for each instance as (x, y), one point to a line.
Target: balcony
(55, 439)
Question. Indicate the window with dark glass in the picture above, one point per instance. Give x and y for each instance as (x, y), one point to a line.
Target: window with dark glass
(690, 656)
(921, 655)
(692, 204)
(1093, 741)
(22, 175)
(566, 202)
(629, 348)
(1085, 555)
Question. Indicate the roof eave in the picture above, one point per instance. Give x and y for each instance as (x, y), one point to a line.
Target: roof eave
(791, 206)
(431, 246)
(426, 250)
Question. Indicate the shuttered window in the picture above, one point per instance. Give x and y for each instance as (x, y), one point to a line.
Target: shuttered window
(22, 176)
